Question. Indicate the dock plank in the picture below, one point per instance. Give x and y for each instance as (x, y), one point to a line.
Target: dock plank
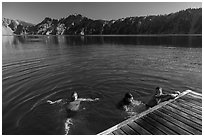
(175, 123)
(186, 110)
(196, 127)
(195, 95)
(139, 129)
(178, 122)
(185, 115)
(166, 130)
(168, 124)
(118, 132)
(180, 116)
(111, 133)
(153, 130)
(128, 130)
(195, 101)
(190, 104)
(188, 107)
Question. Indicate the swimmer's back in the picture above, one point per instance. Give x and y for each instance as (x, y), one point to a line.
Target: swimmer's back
(73, 106)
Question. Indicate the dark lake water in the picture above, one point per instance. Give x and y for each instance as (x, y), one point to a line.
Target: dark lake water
(40, 68)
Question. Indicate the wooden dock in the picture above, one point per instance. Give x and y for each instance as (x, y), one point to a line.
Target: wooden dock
(180, 116)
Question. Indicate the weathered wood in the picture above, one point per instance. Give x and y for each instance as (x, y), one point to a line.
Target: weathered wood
(181, 116)
(186, 110)
(196, 127)
(128, 130)
(141, 114)
(118, 132)
(111, 133)
(190, 104)
(170, 125)
(153, 130)
(166, 130)
(195, 95)
(177, 122)
(139, 129)
(185, 115)
(196, 101)
(188, 107)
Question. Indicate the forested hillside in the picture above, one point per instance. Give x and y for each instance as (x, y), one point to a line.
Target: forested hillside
(187, 21)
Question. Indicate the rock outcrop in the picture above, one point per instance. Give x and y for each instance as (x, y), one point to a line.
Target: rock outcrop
(187, 21)
(10, 27)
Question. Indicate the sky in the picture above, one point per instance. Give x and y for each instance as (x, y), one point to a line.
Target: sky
(35, 12)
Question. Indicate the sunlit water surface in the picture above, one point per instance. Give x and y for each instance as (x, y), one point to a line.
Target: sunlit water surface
(40, 68)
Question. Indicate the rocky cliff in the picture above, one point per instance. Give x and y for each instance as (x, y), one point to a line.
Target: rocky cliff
(10, 26)
(187, 21)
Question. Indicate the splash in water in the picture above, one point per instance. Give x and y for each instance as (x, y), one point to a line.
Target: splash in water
(72, 108)
(135, 108)
(67, 125)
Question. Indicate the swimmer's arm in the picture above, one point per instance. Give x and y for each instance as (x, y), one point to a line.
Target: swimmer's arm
(87, 99)
(171, 96)
(165, 97)
(53, 102)
(136, 102)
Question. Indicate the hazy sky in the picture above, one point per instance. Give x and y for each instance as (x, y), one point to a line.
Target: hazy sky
(35, 12)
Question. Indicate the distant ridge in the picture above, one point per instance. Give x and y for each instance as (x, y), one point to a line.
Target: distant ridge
(187, 21)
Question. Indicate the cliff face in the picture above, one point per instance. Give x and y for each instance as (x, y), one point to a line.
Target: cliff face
(6, 30)
(10, 27)
(183, 22)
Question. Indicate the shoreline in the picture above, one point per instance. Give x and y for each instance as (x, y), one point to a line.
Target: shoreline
(122, 35)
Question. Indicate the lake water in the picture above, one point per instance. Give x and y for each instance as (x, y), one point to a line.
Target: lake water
(40, 68)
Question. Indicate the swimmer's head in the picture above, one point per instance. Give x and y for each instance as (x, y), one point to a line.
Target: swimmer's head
(128, 98)
(74, 96)
(158, 91)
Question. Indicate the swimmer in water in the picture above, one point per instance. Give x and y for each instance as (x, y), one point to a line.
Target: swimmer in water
(129, 104)
(74, 103)
(159, 97)
(72, 106)
(126, 102)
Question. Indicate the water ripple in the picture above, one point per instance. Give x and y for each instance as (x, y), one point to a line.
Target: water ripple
(107, 72)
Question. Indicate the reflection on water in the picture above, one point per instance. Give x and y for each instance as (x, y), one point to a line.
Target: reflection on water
(176, 41)
(40, 68)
